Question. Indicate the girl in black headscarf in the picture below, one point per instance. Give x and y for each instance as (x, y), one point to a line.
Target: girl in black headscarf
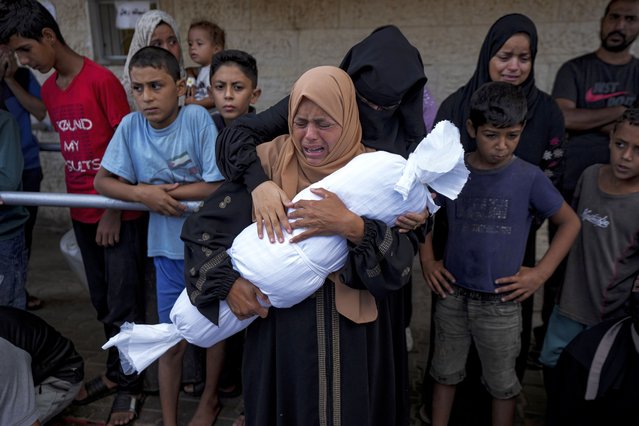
(507, 54)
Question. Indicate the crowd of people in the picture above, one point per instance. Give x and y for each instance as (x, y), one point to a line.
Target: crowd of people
(166, 134)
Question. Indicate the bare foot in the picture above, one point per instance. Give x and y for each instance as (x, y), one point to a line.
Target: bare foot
(121, 418)
(205, 414)
(123, 415)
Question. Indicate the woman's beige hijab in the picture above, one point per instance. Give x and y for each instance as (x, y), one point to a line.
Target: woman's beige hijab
(283, 159)
(284, 162)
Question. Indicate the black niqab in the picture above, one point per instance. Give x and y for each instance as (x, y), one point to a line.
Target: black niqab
(387, 70)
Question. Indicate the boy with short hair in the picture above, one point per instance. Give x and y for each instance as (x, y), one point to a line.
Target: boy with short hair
(480, 281)
(86, 102)
(158, 156)
(233, 85)
(603, 265)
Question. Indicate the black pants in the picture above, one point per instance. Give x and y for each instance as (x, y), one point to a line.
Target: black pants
(116, 284)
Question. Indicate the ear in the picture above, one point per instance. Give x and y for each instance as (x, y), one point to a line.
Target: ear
(181, 87)
(256, 95)
(48, 35)
(470, 129)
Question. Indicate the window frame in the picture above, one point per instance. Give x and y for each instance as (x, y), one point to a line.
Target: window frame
(105, 37)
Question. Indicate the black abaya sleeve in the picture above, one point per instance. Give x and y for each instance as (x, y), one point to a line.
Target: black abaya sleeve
(207, 234)
(235, 147)
(552, 163)
(382, 262)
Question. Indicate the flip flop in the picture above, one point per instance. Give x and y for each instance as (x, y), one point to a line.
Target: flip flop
(126, 403)
(193, 389)
(96, 389)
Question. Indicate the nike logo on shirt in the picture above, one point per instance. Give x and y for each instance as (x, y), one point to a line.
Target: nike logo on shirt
(595, 97)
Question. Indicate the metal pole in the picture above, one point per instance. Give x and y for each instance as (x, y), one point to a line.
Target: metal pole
(54, 199)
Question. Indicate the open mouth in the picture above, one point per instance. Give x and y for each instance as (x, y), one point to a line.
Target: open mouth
(313, 151)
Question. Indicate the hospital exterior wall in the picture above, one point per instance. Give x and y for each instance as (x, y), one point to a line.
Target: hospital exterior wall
(288, 37)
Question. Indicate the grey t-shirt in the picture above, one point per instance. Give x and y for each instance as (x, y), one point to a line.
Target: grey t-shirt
(592, 84)
(604, 260)
(17, 395)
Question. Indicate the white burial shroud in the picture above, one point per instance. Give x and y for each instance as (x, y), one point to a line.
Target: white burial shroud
(377, 185)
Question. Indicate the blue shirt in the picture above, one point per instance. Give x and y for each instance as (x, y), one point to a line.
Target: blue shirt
(29, 143)
(490, 220)
(183, 152)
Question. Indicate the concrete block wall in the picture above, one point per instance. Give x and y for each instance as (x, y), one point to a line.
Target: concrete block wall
(287, 37)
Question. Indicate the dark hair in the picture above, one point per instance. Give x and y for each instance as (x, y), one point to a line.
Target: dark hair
(217, 34)
(611, 2)
(498, 104)
(158, 58)
(630, 116)
(26, 18)
(243, 60)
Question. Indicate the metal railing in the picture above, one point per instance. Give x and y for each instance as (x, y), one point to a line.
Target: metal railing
(55, 199)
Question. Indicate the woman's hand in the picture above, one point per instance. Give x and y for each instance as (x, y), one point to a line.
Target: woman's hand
(243, 300)
(269, 208)
(328, 216)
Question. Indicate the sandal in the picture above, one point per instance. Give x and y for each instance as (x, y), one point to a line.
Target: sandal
(193, 389)
(126, 403)
(96, 389)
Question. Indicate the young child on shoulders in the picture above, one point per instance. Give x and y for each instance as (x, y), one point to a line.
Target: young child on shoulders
(481, 281)
(603, 265)
(159, 156)
(233, 85)
(205, 40)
